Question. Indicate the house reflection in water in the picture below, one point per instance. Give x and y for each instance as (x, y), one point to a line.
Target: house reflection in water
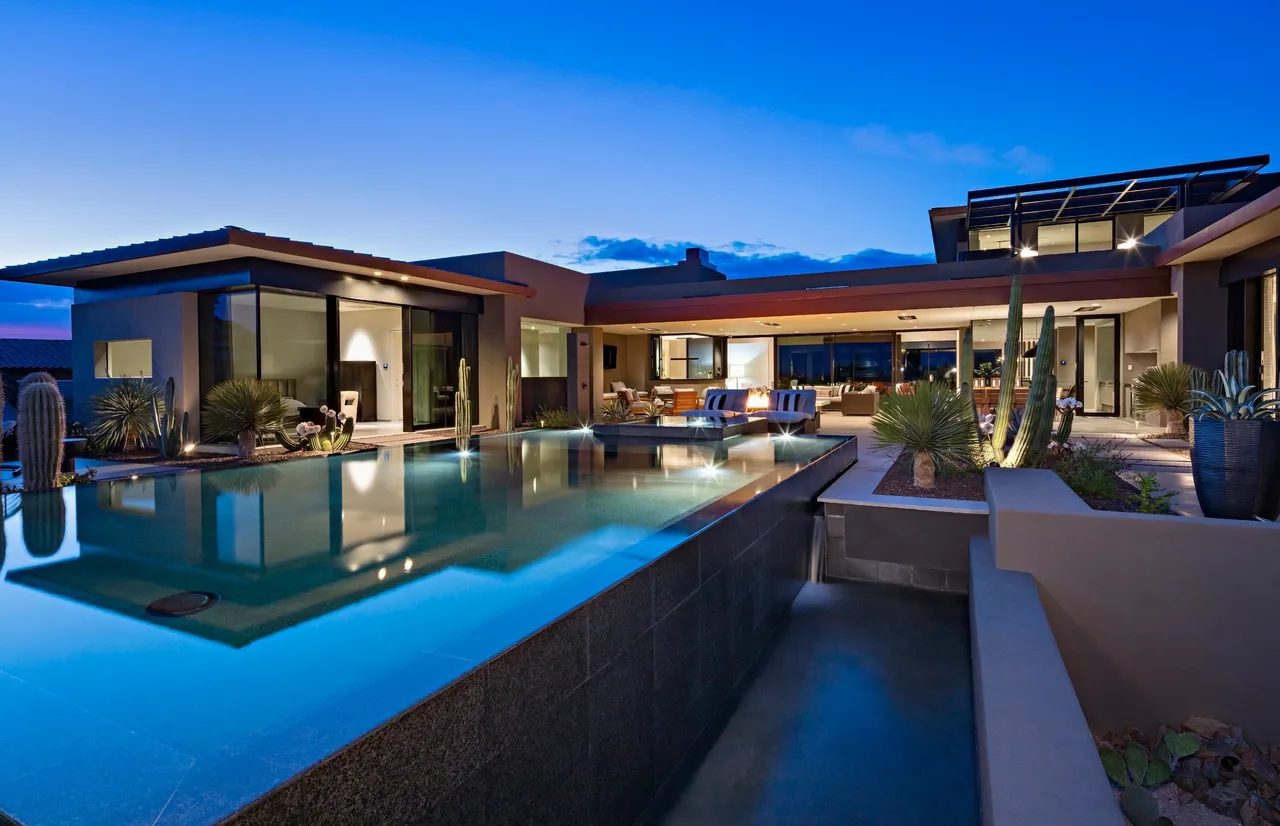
(283, 543)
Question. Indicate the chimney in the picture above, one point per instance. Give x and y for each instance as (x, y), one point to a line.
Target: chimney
(697, 255)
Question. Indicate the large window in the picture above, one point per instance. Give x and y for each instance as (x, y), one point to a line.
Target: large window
(689, 356)
(989, 239)
(440, 339)
(1086, 236)
(543, 350)
(929, 361)
(294, 346)
(124, 359)
(229, 336)
(808, 360)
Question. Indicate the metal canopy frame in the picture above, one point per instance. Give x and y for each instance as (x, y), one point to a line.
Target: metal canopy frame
(1099, 196)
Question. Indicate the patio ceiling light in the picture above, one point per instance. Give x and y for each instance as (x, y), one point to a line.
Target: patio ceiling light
(1028, 252)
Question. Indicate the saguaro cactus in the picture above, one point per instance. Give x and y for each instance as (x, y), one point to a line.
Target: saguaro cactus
(171, 435)
(513, 393)
(44, 522)
(42, 425)
(1037, 419)
(1008, 369)
(462, 407)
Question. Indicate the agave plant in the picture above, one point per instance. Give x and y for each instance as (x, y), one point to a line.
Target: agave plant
(1231, 398)
(243, 409)
(615, 411)
(1168, 389)
(123, 414)
(933, 423)
(654, 406)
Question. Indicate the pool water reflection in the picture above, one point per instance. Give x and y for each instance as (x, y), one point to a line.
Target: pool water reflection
(350, 589)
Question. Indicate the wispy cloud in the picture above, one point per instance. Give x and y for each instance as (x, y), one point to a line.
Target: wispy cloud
(738, 259)
(878, 139)
(49, 303)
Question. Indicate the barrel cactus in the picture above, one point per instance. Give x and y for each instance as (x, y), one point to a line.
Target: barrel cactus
(42, 425)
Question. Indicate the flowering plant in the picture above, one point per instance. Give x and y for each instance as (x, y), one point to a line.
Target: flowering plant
(306, 429)
(1069, 404)
(987, 424)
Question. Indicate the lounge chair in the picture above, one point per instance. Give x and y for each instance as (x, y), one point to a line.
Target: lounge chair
(721, 403)
(792, 410)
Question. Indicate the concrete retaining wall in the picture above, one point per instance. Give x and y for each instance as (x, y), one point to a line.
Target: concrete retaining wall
(1157, 617)
(1037, 761)
(925, 545)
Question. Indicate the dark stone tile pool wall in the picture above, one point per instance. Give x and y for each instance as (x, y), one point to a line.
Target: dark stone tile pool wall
(599, 717)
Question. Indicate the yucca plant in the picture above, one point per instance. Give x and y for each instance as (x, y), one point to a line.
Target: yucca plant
(933, 423)
(122, 414)
(1168, 389)
(243, 409)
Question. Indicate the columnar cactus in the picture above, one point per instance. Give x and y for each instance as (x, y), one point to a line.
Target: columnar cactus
(462, 407)
(171, 435)
(1008, 369)
(1037, 420)
(35, 378)
(1032, 429)
(964, 366)
(513, 393)
(42, 425)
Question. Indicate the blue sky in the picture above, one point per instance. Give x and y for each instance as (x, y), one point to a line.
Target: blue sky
(580, 133)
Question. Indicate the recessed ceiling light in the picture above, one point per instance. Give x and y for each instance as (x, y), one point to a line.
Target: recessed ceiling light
(1127, 244)
(1088, 308)
(651, 329)
(1028, 252)
(768, 323)
(404, 278)
(377, 272)
(906, 318)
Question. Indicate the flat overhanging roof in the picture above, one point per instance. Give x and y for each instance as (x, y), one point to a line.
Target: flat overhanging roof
(1252, 224)
(1161, 189)
(229, 243)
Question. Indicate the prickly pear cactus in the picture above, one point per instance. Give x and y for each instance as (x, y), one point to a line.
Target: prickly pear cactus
(42, 425)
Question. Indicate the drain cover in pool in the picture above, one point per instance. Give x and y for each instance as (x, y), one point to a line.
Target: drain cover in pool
(182, 604)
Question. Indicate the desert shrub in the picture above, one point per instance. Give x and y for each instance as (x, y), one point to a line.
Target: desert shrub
(1089, 469)
(933, 423)
(243, 409)
(122, 415)
(557, 417)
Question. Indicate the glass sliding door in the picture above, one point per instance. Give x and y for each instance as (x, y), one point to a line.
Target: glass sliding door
(294, 342)
(438, 340)
(866, 359)
(1097, 360)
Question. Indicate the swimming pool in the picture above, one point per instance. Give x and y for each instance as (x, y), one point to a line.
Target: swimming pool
(350, 589)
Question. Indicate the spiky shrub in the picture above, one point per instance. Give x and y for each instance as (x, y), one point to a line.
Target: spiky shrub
(244, 410)
(171, 432)
(1231, 397)
(42, 425)
(122, 414)
(654, 406)
(1167, 389)
(462, 407)
(513, 393)
(615, 411)
(556, 417)
(934, 424)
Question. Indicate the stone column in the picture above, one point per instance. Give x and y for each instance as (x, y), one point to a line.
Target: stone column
(1202, 314)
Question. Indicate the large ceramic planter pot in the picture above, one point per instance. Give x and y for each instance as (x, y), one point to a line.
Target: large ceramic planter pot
(1236, 467)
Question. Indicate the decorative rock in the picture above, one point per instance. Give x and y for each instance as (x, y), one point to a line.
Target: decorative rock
(1223, 800)
(1206, 727)
(1209, 770)
(1249, 814)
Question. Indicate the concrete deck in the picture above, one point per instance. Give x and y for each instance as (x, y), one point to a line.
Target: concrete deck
(863, 713)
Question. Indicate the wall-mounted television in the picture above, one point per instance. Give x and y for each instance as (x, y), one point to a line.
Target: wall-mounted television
(610, 357)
